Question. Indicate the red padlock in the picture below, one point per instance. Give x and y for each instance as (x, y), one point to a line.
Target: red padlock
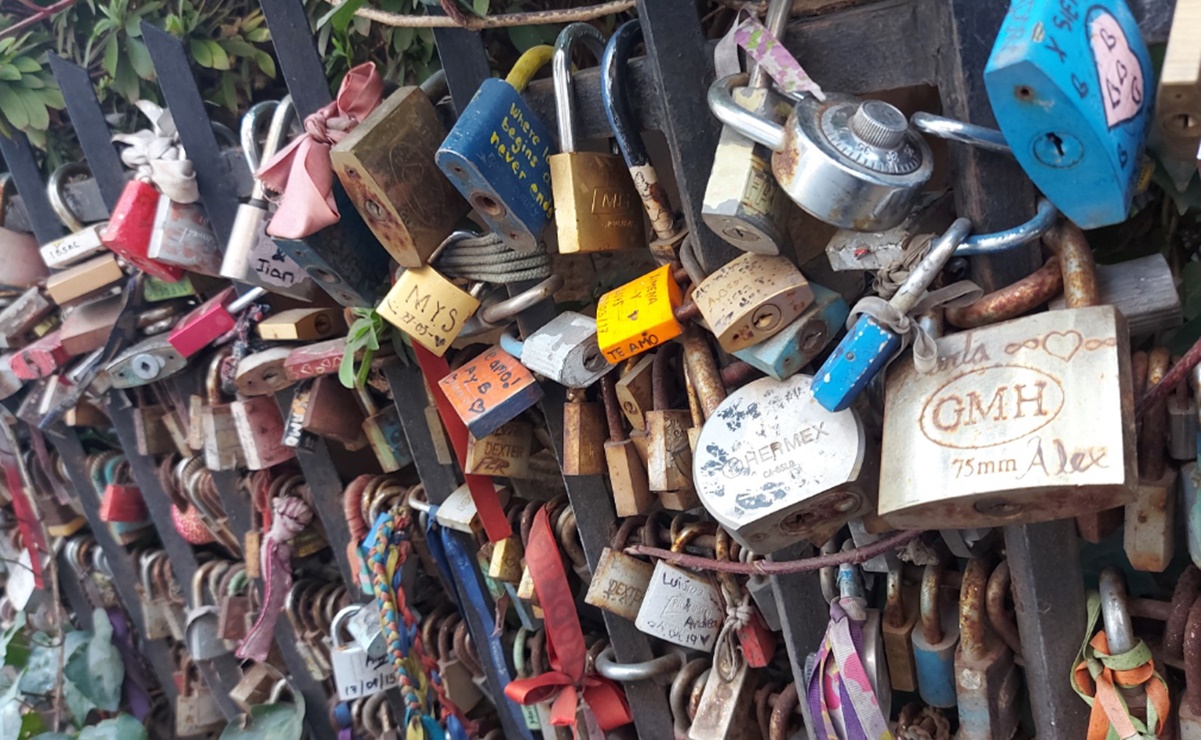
(315, 360)
(122, 502)
(212, 319)
(131, 226)
(40, 359)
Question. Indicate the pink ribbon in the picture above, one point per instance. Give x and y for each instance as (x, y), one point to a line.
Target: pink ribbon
(302, 172)
(292, 515)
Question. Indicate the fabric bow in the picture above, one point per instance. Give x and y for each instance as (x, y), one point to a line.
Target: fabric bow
(292, 515)
(302, 171)
(156, 156)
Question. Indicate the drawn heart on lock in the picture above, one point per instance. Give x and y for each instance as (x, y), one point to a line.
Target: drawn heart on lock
(1063, 344)
(1119, 71)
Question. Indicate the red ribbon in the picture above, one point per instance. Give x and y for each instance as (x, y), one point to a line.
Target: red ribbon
(302, 172)
(483, 493)
(27, 521)
(565, 648)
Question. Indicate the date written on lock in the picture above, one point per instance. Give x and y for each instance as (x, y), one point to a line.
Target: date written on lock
(428, 307)
(1020, 422)
(490, 390)
(638, 315)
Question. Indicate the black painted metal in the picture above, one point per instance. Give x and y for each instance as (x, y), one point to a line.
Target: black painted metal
(297, 53)
(214, 176)
(221, 674)
(803, 610)
(87, 119)
(72, 589)
(18, 155)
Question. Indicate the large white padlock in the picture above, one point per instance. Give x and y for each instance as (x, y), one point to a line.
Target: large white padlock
(356, 672)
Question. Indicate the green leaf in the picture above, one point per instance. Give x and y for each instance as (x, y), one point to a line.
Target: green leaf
(201, 52)
(78, 704)
(9, 73)
(269, 722)
(126, 81)
(54, 736)
(220, 57)
(229, 93)
(480, 6)
(402, 39)
(27, 65)
(121, 727)
(39, 117)
(10, 712)
(237, 47)
(258, 35)
(33, 724)
(340, 16)
(139, 57)
(112, 56)
(32, 82)
(14, 643)
(42, 667)
(527, 37)
(265, 62)
(98, 670)
(52, 97)
(13, 107)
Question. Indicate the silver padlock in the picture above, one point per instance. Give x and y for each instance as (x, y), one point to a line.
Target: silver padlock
(682, 606)
(84, 240)
(201, 634)
(1182, 425)
(356, 673)
(563, 350)
(364, 626)
(773, 467)
(149, 360)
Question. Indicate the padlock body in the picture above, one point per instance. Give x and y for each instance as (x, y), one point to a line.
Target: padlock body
(253, 257)
(130, 228)
(584, 431)
(504, 452)
(149, 360)
(724, 710)
(935, 662)
(490, 390)
(854, 363)
(72, 248)
(628, 478)
(497, 157)
(681, 607)
(22, 315)
(184, 237)
(565, 350)
(638, 315)
(386, 164)
(41, 358)
(1072, 93)
(619, 583)
(222, 449)
(302, 325)
(357, 674)
(87, 327)
(260, 429)
(751, 298)
(797, 344)
(83, 279)
(898, 646)
(669, 454)
(596, 206)
(1182, 428)
(1024, 421)
(773, 467)
(505, 564)
(386, 437)
(203, 325)
(634, 391)
(988, 694)
(122, 503)
(1149, 533)
(156, 291)
(428, 307)
(315, 360)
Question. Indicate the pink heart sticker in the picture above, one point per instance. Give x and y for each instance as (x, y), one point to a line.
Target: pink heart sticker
(1118, 68)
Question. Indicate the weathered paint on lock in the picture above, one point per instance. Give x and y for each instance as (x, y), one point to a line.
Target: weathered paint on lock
(504, 452)
(184, 237)
(1020, 422)
(203, 325)
(773, 467)
(497, 156)
(149, 360)
(72, 248)
(681, 607)
(260, 428)
(784, 354)
(986, 678)
(41, 358)
(490, 390)
(131, 226)
(20, 317)
(934, 642)
(1071, 88)
(619, 583)
(565, 350)
(863, 352)
(751, 298)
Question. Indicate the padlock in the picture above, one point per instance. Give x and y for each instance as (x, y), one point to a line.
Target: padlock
(149, 360)
(254, 688)
(356, 672)
(490, 390)
(935, 641)
(765, 470)
(196, 709)
(496, 156)
(251, 256)
(852, 597)
(1074, 101)
(596, 203)
(856, 164)
(210, 320)
(83, 279)
(669, 455)
(724, 709)
(799, 343)
(343, 260)
(384, 433)
(1182, 425)
(505, 563)
(680, 606)
(869, 345)
(260, 430)
(1143, 290)
(639, 315)
(743, 203)
(131, 226)
(1177, 130)
(183, 237)
(84, 241)
(999, 435)
(620, 581)
(986, 678)
(154, 604)
(364, 626)
(236, 606)
(634, 390)
(262, 373)
(427, 307)
(752, 298)
(1149, 535)
(458, 511)
(504, 452)
(200, 633)
(19, 318)
(409, 206)
(458, 671)
(584, 433)
(627, 471)
(330, 412)
(40, 359)
(122, 500)
(222, 449)
(901, 612)
(302, 325)
(315, 360)
(850, 249)
(86, 327)
(563, 350)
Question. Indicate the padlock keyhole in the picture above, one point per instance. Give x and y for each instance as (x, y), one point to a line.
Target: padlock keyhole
(1056, 142)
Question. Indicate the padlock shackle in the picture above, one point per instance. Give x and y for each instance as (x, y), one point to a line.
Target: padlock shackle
(1070, 245)
(338, 628)
(703, 374)
(245, 300)
(973, 609)
(607, 666)
(927, 269)
(1115, 613)
(259, 115)
(1152, 435)
(435, 86)
(981, 137)
(56, 190)
(721, 104)
(1038, 225)
(683, 684)
(591, 38)
(894, 602)
(615, 87)
(998, 616)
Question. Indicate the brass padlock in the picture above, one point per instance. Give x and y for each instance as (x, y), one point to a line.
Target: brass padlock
(584, 432)
(83, 279)
(633, 390)
(1178, 101)
(751, 298)
(669, 457)
(384, 433)
(620, 581)
(86, 327)
(627, 471)
(386, 163)
(84, 240)
(504, 452)
(19, 318)
(596, 205)
(428, 307)
(222, 449)
(331, 412)
(302, 325)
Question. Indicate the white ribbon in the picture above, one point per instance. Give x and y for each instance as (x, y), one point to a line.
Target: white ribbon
(925, 351)
(157, 157)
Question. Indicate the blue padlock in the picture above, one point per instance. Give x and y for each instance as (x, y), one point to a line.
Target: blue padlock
(497, 156)
(784, 354)
(934, 642)
(1072, 88)
(869, 345)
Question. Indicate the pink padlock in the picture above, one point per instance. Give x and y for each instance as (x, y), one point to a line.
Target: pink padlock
(131, 226)
(209, 321)
(41, 358)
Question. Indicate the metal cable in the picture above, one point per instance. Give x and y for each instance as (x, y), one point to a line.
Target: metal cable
(486, 258)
